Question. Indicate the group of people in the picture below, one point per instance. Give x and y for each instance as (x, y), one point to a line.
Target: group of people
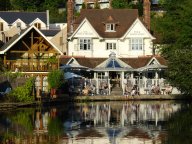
(156, 89)
(131, 90)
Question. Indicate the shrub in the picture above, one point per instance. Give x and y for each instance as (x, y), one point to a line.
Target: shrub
(55, 79)
(23, 93)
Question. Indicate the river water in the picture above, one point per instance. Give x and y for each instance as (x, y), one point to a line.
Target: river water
(133, 122)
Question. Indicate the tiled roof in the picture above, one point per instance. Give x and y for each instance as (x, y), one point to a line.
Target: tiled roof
(133, 62)
(50, 32)
(26, 17)
(123, 18)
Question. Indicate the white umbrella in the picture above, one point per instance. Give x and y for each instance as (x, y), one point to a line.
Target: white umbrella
(69, 75)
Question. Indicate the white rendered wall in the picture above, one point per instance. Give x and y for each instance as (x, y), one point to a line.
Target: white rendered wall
(123, 46)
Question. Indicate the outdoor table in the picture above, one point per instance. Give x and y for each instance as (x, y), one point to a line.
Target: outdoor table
(146, 91)
(163, 90)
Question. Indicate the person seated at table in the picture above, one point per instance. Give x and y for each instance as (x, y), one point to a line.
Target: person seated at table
(134, 90)
(156, 90)
(128, 89)
(85, 91)
(168, 89)
(152, 89)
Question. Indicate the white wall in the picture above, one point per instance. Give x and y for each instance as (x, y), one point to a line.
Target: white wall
(123, 46)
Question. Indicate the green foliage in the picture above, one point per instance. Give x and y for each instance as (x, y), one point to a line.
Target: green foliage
(84, 6)
(41, 5)
(5, 5)
(122, 4)
(23, 119)
(12, 76)
(52, 60)
(55, 127)
(55, 79)
(23, 93)
(175, 28)
(116, 4)
(97, 6)
(179, 126)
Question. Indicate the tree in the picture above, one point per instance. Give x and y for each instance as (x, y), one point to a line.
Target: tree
(55, 79)
(175, 29)
(121, 4)
(116, 4)
(5, 5)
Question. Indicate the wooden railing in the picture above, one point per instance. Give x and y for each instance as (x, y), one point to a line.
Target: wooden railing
(32, 68)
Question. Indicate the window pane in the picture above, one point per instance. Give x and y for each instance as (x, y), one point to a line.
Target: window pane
(136, 44)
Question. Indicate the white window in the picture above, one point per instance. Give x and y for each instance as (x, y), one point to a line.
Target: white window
(85, 44)
(110, 27)
(111, 46)
(136, 43)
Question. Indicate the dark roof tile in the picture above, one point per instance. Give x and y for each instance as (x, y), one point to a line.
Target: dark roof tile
(123, 18)
(26, 17)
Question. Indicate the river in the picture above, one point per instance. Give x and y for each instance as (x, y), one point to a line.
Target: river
(132, 122)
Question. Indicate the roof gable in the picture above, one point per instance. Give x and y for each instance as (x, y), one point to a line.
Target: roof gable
(137, 29)
(18, 37)
(26, 17)
(37, 20)
(123, 18)
(85, 29)
(17, 21)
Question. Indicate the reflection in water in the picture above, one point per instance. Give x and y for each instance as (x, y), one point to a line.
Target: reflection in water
(90, 123)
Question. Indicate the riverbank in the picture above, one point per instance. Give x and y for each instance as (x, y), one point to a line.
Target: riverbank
(65, 98)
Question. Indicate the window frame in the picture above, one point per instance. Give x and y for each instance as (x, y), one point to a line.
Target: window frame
(136, 44)
(111, 46)
(37, 25)
(110, 27)
(85, 44)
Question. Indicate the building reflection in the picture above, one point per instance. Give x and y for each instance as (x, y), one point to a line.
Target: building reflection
(96, 123)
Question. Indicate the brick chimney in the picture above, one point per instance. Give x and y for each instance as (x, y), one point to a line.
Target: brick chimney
(70, 14)
(146, 13)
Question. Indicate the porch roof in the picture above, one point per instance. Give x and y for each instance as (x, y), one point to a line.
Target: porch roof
(134, 63)
(152, 67)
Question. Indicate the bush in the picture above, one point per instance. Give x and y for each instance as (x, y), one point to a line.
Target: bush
(23, 93)
(55, 79)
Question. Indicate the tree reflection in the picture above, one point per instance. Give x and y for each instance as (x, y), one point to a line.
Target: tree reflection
(180, 127)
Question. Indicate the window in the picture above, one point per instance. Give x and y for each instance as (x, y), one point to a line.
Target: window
(113, 64)
(137, 44)
(18, 25)
(61, 40)
(111, 46)
(1, 26)
(110, 27)
(85, 44)
(38, 25)
(7, 38)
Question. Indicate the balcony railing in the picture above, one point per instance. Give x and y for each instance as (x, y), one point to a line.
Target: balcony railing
(32, 68)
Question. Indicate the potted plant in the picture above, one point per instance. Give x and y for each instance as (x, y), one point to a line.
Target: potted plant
(55, 80)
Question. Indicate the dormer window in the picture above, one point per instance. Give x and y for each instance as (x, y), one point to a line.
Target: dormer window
(19, 25)
(110, 27)
(38, 25)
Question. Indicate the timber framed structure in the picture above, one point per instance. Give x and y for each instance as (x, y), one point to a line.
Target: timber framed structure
(31, 53)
